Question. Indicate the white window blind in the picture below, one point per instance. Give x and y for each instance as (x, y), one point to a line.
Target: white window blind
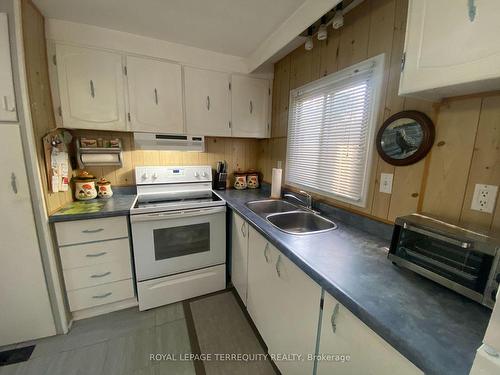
(330, 132)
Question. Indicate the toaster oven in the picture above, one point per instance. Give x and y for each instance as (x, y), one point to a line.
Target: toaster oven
(458, 258)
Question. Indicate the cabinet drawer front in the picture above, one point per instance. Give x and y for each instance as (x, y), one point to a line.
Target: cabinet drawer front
(94, 253)
(100, 295)
(98, 274)
(80, 231)
(170, 289)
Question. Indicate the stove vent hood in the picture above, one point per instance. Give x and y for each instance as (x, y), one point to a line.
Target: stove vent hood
(172, 142)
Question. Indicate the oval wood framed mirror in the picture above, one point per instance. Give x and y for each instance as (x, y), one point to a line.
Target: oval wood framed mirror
(405, 138)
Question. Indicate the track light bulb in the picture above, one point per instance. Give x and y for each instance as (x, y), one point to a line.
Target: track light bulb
(322, 33)
(338, 20)
(309, 43)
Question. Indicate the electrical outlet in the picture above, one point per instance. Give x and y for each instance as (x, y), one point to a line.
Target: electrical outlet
(386, 183)
(484, 198)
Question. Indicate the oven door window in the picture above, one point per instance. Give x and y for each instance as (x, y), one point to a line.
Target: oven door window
(183, 240)
(466, 267)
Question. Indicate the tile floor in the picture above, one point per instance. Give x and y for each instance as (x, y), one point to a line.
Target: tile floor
(114, 344)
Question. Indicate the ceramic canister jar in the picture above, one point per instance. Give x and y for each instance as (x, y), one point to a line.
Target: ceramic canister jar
(240, 180)
(252, 180)
(85, 186)
(104, 188)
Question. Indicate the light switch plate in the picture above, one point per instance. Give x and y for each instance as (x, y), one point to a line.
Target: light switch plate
(484, 198)
(386, 183)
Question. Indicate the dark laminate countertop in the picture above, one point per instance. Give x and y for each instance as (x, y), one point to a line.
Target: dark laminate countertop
(436, 329)
(118, 205)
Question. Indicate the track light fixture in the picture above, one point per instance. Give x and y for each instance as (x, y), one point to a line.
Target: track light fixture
(338, 18)
(309, 41)
(322, 33)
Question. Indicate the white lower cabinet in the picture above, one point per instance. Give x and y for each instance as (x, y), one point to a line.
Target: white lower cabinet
(239, 255)
(96, 263)
(283, 303)
(285, 306)
(342, 334)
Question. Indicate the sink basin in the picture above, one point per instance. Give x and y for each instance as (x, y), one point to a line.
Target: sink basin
(301, 222)
(271, 206)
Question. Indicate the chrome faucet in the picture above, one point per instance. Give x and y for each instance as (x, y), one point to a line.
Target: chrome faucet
(308, 202)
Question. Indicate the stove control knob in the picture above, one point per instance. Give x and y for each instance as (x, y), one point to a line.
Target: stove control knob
(144, 176)
(204, 174)
(154, 176)
(196, 174)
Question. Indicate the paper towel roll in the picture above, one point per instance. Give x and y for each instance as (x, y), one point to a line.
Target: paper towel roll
(100, 158)
(276, 183)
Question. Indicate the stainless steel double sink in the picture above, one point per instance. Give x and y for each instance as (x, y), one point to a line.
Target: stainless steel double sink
(291, 218)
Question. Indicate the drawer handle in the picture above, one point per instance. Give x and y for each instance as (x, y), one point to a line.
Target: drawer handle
(92, 230)
(103, 295)
(334, 317)
(101, 275)
(242, 229)
(96, 254)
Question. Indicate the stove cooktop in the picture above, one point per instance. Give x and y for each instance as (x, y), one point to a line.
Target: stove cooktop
(177, 204)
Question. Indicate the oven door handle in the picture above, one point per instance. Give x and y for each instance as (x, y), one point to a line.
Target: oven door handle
(176, 214)
(462, 244)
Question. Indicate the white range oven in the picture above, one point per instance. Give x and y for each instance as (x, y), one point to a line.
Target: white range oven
(178, 233)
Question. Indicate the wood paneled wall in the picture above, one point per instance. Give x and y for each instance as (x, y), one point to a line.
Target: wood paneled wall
(240, 153)
(466, 150)
(42, 113)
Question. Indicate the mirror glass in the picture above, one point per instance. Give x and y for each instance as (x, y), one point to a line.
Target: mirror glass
(402, 138)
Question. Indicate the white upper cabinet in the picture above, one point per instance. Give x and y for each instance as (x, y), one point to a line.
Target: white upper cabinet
(250, 107)
(451, 48)
(91, 88)
(8, 100)
(155, 96)
(207, 98)
(344, 334)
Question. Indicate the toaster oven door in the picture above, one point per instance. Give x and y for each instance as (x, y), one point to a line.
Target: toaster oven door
(444, 260)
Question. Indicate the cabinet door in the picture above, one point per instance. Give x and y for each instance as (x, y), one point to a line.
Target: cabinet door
(8, 100)
(207, 102)
(239, 255)
(262, 287)
(250, 102)
(155, 96)
(91, 88)
(283, 303)
(344, 334)
(296, 316)
(25, 307)
(453, 62)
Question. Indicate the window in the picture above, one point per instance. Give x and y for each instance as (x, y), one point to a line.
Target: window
(331, 130)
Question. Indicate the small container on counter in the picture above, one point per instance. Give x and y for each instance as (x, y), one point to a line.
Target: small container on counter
(104, 188)
(85, 186)
(240, 180)
(253, 179)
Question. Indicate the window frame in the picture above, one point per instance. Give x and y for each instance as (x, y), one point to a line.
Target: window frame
(378, 77)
